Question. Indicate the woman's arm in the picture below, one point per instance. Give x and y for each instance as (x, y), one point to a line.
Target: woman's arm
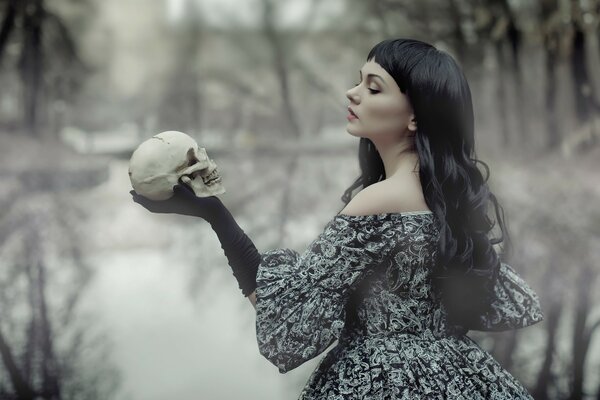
(242, 255)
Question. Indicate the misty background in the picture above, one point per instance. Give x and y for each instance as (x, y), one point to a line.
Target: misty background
(101, 299)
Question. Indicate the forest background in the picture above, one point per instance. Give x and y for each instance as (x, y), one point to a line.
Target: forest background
(100, 299)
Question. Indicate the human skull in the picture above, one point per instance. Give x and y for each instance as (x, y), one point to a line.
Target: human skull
(172, 157)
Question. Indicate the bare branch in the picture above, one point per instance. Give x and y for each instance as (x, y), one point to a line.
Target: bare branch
(21, 387)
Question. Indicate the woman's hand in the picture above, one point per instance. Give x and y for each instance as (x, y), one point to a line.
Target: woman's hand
(183, 202)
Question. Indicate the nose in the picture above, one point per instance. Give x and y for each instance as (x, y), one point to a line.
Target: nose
(352, 95)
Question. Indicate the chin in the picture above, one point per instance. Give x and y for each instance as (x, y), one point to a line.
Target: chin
(352, 131)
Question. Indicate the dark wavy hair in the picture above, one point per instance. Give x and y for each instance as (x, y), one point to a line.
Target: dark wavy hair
(454, 188)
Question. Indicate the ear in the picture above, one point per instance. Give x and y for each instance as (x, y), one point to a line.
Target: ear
(412, 125)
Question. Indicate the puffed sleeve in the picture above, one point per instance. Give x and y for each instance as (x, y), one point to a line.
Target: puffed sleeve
(515, 305)
(300, 298)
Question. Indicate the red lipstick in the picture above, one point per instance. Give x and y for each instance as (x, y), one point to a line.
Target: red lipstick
(351, 116)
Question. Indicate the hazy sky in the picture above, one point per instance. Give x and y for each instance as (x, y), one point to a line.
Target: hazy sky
(246, 13)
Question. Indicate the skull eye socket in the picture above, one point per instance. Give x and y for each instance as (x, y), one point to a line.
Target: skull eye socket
(191, 157)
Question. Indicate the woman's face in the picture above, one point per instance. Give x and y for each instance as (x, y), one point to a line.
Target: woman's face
(380, 108)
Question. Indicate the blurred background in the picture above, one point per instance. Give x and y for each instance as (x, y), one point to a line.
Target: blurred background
(100, 299)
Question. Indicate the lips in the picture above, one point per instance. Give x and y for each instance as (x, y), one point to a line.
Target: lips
(352, 112)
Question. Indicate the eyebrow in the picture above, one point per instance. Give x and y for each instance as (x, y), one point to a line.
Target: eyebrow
(373, 75)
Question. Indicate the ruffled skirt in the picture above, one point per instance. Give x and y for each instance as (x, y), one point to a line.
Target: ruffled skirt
(410, 367)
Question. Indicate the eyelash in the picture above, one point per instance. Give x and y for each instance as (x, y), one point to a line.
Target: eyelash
(373, 91)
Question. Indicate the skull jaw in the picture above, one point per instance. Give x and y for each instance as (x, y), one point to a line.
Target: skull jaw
(205, 182)
(201, 189)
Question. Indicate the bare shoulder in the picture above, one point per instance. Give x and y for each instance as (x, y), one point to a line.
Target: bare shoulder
(387, 197)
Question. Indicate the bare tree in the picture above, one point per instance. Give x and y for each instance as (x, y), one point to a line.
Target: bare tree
(553, 309)
(583, 329)
(38, 306)
(585, 98)
(499, 29)
(280, 57)
(45, 44)
(551, 31)
(181, 105)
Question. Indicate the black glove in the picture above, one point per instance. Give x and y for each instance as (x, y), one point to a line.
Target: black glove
(183, 202)
(242, 255)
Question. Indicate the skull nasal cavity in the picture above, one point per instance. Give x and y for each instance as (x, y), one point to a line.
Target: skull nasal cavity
(191, 157)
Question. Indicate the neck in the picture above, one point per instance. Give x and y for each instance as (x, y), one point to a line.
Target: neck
(398, 157)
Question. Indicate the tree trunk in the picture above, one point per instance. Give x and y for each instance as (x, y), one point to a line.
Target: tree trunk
(580, 333)
(280, 60)
(502, 111)
(181, 105)
(540, 392)
(31, 64)
(515, 41)
(50, 372)
(287, 196)
(581, 78)
(32, 329)
(22, 389)
(8, 25)
(504, 347)
(551, 37)
(553, 137)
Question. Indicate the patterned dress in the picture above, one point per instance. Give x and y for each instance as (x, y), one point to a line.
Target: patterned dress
(365, 281)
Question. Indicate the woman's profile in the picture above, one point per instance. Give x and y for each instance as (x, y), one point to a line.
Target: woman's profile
(407, 267)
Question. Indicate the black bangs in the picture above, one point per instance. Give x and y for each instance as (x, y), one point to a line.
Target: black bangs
(399, 57)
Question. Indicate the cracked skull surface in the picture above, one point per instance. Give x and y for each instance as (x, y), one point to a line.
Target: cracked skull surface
(172, 157)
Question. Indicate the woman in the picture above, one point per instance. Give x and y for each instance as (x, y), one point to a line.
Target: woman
(402, 273)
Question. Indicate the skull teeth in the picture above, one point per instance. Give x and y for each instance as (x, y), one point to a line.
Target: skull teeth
(209, 179)
(212, 177)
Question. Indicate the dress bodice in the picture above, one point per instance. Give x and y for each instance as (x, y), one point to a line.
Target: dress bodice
(397, 298)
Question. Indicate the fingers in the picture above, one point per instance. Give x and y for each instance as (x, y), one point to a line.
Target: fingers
(144, 202)
(184, 190)
(169, 206)
(136, 197)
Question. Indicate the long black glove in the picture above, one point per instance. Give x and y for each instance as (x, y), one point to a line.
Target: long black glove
(242, 255)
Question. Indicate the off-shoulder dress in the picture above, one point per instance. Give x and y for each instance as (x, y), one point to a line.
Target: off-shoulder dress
(365, 282)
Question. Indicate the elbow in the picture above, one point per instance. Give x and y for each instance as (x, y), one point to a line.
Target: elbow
(284, 360)
(285, 354)
(291, 334)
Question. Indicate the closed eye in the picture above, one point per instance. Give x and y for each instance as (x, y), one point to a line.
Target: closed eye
(373, 91)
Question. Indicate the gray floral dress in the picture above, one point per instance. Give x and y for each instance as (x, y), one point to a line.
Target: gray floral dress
(365, 281)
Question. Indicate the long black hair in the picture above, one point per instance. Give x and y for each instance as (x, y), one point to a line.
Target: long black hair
(454, 188)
